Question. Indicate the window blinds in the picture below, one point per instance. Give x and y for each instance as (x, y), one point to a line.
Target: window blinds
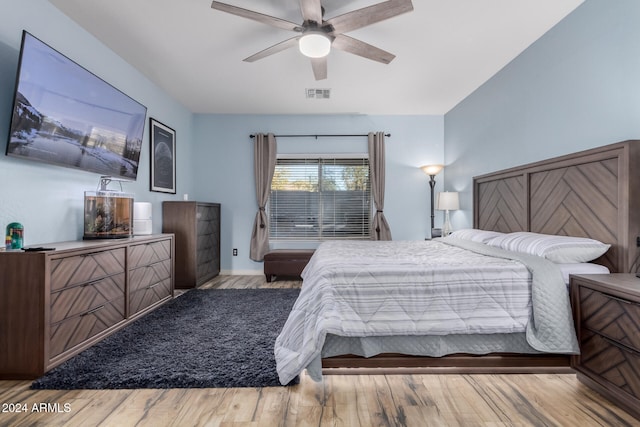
(320, 198)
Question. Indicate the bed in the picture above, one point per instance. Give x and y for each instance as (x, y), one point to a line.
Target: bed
(591, 194)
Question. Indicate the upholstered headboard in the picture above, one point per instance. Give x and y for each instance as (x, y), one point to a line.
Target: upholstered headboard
(593, 193)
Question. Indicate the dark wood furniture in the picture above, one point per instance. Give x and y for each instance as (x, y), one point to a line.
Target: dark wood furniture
(196, 226)
(54, 304)
(606, 311)
(593, 193)
(495, 363)
(286, 262)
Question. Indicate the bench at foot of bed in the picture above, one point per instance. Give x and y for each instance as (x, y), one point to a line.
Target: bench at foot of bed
(286, 262)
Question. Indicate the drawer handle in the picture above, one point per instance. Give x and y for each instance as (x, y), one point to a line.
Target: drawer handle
(88, 254)
(98, 252)
(621, 346)
(93, 310)
(153, 286)
(624, 301)
(93, 282)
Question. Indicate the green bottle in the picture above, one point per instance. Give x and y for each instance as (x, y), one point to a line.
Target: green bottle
(15, 236)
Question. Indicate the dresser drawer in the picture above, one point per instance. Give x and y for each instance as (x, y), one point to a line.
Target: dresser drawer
(205, 243)
(614, 363)
(77, 329)
(147, 276)
(205, 272)
(205, 228)
(149, 253)
(613, 317)
(79, 269)
(74, 301)
(143, 298)
(206, 219)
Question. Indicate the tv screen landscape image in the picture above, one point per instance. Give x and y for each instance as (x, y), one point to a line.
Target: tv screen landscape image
(65, 115)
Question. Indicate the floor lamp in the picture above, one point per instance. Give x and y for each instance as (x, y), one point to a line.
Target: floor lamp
(432, 171)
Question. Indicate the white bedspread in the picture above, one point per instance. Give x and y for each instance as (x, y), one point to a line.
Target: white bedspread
(356, 289)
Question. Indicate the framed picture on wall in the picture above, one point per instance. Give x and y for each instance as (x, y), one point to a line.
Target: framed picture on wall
(163, 157)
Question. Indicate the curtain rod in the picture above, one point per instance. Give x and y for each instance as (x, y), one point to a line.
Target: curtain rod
(319, 136)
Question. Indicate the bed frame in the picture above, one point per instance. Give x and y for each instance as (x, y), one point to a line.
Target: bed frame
(593, 193)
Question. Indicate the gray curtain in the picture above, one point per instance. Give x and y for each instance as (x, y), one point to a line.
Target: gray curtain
(264, 163)
(379, 227)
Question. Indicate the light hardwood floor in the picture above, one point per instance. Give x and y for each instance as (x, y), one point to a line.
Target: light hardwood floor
(339, 400)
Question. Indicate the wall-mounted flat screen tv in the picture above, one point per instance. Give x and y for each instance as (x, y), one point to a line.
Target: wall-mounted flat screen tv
(65, 115)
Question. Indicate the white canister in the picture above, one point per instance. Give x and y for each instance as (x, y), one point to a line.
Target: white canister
(142, 218)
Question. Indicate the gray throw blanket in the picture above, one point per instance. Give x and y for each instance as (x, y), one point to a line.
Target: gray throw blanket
(551, 329)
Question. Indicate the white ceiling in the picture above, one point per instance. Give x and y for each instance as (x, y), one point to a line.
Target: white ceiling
(444, 49)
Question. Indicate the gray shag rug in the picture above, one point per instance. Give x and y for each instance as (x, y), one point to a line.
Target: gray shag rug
(202, 339)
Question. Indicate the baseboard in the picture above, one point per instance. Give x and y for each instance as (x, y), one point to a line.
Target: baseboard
(241, 272)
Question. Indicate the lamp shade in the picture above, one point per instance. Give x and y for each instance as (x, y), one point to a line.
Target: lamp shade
(448, 201)
(432, 169)
(314, 44)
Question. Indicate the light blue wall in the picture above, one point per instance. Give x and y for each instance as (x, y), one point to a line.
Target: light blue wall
(224, 163)
(576, 88)
(48, 200)
(214, 152)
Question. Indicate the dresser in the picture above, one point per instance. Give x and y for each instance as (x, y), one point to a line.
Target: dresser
(54, 304)
(196, 226)
(606, 311)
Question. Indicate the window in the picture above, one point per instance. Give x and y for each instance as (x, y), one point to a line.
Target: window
(320, 198)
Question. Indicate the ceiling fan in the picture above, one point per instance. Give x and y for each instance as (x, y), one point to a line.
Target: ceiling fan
(316, 36)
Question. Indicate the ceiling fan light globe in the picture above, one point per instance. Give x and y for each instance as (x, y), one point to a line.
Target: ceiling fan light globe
(314, 45)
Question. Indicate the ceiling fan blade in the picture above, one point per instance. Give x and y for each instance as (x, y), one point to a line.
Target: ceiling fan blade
(311, 10)
(369, 15)
(273, 49)
(260, 17)
(319, 66)
(360, 48)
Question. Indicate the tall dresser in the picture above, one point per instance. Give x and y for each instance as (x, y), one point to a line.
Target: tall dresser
(196, 226)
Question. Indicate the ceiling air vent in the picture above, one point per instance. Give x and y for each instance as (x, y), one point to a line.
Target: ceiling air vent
(318, 93)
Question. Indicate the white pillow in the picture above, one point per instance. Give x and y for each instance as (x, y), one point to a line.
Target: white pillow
(473, 234)
(559, 249)
(581, 268)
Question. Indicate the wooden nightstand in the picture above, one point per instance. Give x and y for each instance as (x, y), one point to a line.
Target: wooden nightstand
(606, 312)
